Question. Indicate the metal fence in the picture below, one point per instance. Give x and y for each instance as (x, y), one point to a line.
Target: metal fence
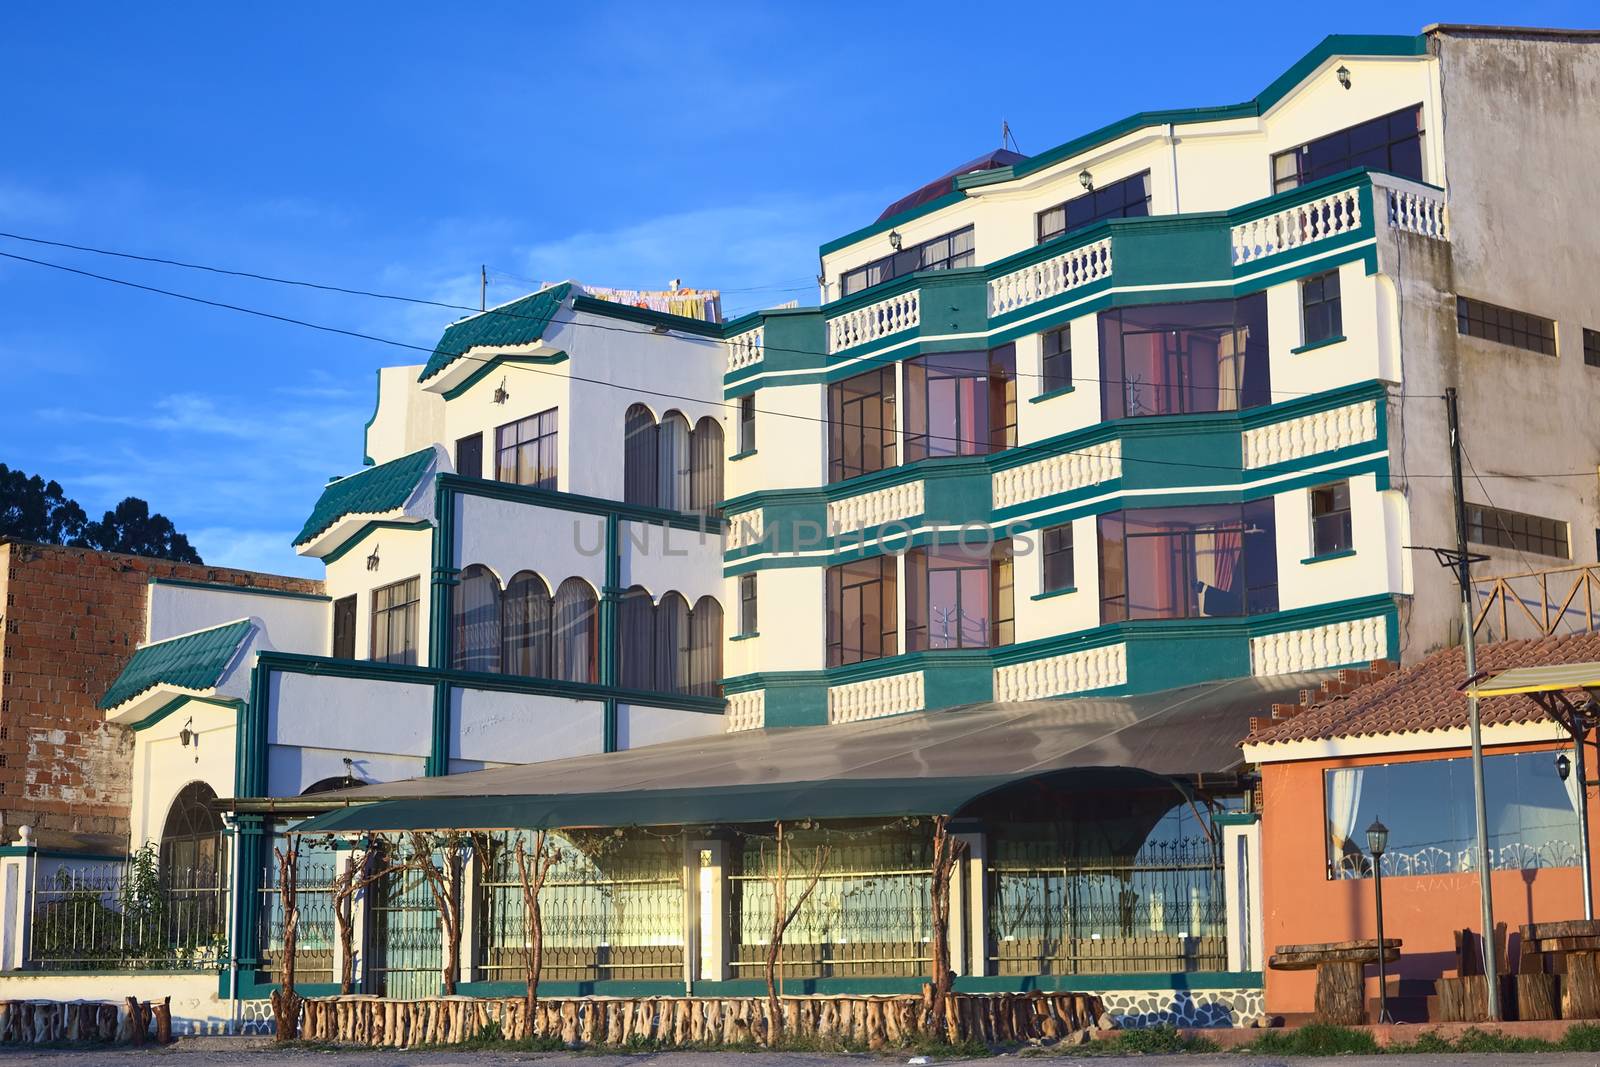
(868, 916)
(611, 908)
(316, 933)
(129, 916)
(1161, 909)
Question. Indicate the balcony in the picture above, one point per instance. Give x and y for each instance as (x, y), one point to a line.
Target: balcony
(1149, 253)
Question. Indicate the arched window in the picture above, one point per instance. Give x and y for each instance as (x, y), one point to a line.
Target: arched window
(574, 628)
(525, 626)
(640, 457)
(191, 840)
(706, 474)
(477, 620)
(671, 659)
(673, 483)
(636, 627)
(705, 647)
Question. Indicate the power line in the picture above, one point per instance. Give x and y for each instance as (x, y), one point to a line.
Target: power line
(504, 311)
(719, 402)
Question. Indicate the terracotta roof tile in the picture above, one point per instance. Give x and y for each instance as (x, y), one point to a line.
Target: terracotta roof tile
(1425, 696)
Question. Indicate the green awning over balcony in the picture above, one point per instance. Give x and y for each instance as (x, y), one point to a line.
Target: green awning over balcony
(923, 763)
(521, 322)
(194, 661)
(373, 491)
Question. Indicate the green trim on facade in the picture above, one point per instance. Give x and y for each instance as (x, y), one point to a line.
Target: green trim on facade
(1326, 556)
(737, 456)
(229, 587)
(1052, 394)
(611, 309)
(194, 661)
(1049, 594)
(1314, 345)
(1354, 45)
(1236, 818)
(745, 637)
(174, 705)
(373, 491)
(750, 987)
(521, 322)
(495, 361)
(368, 530)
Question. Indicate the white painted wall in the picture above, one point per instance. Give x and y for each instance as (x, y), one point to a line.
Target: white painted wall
(406, 419)
(1367, 573)
(162, 766)
(296, 624)
(500, 728)
(638, 725)
(507, 537)
(315, 721)
(791, 441)
(1062, 612)
(401, 554)
(791, 603)
(662, 558)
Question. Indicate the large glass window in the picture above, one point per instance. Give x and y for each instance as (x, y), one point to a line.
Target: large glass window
(1392, 143)
(671, 465)
(1520, 329)
(394, 621)
(863, 620)
(575, 629)
(861, 431)
(1177, 359)
(959, 596)
(1515, 530)
(1178, 563)
(525, 451)
(477, 620)
(525, 626)
(1128, 198)
(669, 647)
(941, 253)
(1428, 807)
(961, 403)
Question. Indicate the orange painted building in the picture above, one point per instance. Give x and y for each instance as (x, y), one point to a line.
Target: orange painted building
(1397, 749)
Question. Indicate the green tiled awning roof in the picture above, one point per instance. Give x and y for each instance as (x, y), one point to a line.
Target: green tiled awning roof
(521, 322)
(370, 492)
(194, 661)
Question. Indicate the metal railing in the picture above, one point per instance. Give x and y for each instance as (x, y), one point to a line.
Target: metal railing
(867, 917)
(127, 917)
(609, 910)
(316, 933)
(1159, 910)
(1537, 603)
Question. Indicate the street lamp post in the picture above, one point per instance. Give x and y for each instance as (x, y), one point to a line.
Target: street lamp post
(1377, 841)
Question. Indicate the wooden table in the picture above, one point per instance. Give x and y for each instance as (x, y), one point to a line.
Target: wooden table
(1572, 946)
(1341, 974)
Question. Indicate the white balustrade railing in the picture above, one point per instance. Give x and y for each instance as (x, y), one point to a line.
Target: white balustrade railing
(1052, 277)
(1337, 644)
(1295, 227)
(875, 698)
(1419, 211)
(1310, 435)
(746, 349)
(875, 508)
(1075, 672)
(1077, 469)
(746, 711)
(903, 311)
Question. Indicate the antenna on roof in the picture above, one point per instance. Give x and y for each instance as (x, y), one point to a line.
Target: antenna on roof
(1006, 135)
(483, 288)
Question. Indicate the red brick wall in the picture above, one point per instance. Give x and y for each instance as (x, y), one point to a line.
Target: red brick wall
(71, 619)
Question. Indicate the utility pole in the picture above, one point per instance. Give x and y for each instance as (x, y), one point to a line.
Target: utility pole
(483, 288)
(1464, 578)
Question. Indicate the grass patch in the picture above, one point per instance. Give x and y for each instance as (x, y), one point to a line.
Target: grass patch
(1585, 1037)
(1151, 1041)
(1315, 1039)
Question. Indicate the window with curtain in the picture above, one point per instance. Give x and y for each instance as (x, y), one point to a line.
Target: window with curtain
(394, 621)
(961, 403)
(636, 632)
(1178, 563)
(525, 451)
(191, 851)
(863, 610)
(1127, 198)
(639, 456)
(1428, 806)
(955, 249)
(525, 626)
(671, 646)
(705, 648)
(705, 475)
(476, 620)
(574, 629)
(674, 469)
(861, 424)
(959, 596)
(1179, 359)
(1390, 143)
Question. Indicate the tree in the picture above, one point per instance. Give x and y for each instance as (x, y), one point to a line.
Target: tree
(32, 509)
(946, 851)
(359, 872)
(532, 871)
(782, 916)
(285, 1001)
(132, 529)
(443, 874)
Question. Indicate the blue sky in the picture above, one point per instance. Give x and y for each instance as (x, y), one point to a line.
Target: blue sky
(397, 147)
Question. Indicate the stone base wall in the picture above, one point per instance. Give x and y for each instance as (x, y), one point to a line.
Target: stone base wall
(1141, 1009)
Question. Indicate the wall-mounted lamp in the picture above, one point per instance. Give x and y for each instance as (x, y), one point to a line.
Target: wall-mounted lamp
(1344, 75)
(187, 737)
(350, 778)
(500, 394)
(895, 240)
(1086, 180)
(372, 560)
(660, 327)
(1563, 766)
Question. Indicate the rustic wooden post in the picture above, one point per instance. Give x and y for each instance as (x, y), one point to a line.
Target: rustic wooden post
(782, 917)
(532, 872)
(946, 851)
(359, 873)
(444, 885)
(285, 1001)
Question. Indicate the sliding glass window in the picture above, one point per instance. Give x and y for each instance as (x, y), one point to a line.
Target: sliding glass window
(961, 403)
(959, 596)
(1179, 359)
(863, 619)
(861, 430)
(1179, 563)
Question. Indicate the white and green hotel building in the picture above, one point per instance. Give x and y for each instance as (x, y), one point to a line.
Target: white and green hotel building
(1157, 408)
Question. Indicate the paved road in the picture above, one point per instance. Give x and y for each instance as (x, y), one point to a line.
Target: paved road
(247, 1053)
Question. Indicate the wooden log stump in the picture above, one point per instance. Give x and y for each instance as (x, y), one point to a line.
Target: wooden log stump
(1462, 1000)
(1536, 996)
(1580, 991)
(135, 1021)
(1340, 995)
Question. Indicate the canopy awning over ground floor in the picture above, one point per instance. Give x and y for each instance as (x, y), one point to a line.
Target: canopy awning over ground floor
(922, 763)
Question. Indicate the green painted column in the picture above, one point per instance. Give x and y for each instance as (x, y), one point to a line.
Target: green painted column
(250, 780)
(441, 590)
(610, 601)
